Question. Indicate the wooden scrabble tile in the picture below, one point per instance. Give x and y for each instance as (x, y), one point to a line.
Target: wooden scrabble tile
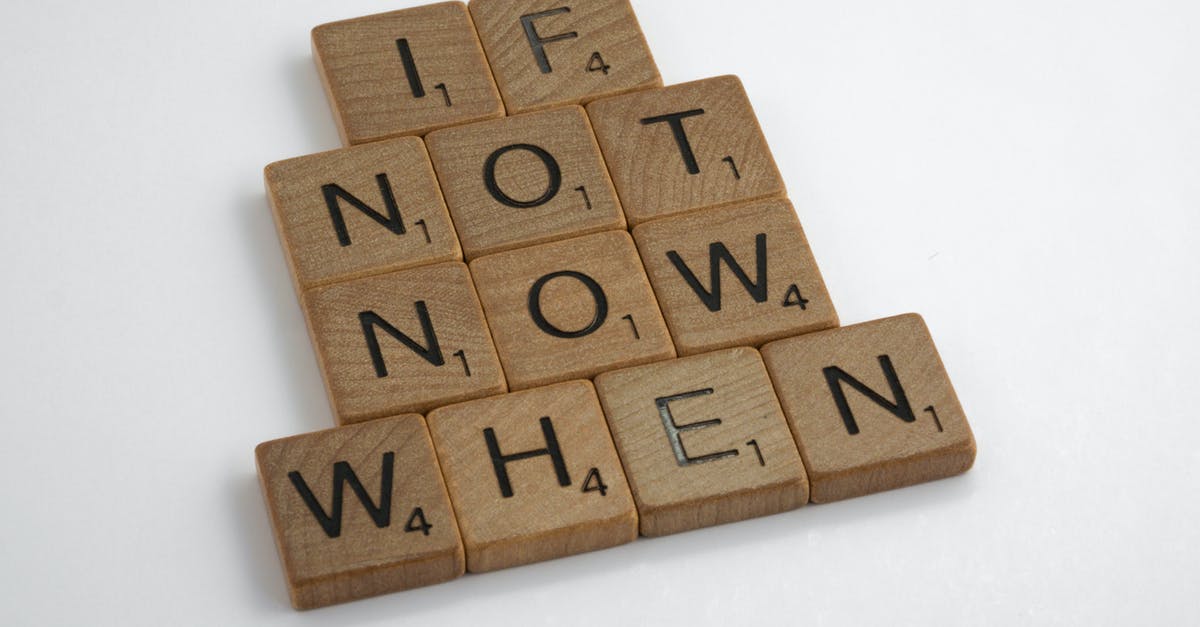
(403, 342)
(405, 73)
(359, 511)
(571, 310)
(685, 147)
(871, 407)
(553, 52)
(525, 180)
(736, 276)
(533, 476)
(703, 441)
(360, 211)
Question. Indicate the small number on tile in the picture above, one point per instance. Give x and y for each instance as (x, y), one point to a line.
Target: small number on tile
(417, 522)
(462, 356)
(937, 421)
(633, 325)
(594, 483)
(587, 201)
(425, 230)
(445, 93)
(757, 451)
(733, 166)
(597, 64)
(795, 299)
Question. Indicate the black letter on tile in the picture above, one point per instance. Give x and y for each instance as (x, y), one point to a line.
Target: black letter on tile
(835, 376)
(343, 474)
(674, 431)
(537, 42)
(500, 461)
(718, 254)
(675, 120)
(410, 68)
(535, 305)
(552, 171)
(432, 353)
(334, 194)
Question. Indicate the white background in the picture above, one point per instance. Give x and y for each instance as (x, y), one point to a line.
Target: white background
(1022, 172)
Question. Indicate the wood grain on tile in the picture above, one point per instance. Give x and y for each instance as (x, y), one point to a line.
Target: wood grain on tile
(871, 407)
(570, 310)
(405, 73)
(403, 342)
(533, 476)
(546, 53)
(703, 441)
(359, 511)
(360, 211)
(735, 276)
(524, 180)
(684, 147)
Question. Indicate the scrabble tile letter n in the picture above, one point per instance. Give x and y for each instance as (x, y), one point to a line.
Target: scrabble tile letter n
(871, 407)
(685, 147)
(404, 342)
(571, 309)
(360, 211)
(703, 440)
(405, 72)
(359, 511)
(554, 52)
(735, 276)
(533, 476)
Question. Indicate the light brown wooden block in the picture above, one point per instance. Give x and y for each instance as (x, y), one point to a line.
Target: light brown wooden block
(403, 342)
(533, 476)
(405, 73)
(571, 310)
(735, 276)
(360, 211)
(359, 511)
(871, 407)
(685, 147)
(703, 441)
(525, 180)
(553, 52)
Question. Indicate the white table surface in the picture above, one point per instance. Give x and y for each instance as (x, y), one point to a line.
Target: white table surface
(1024, 173)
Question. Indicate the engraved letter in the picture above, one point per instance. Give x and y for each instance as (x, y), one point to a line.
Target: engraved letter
(537, 42)
(674, 430)
(334, 194)
(500, 461)
(675, 121)
(718, 254)
(343, 474)
(552, 170)
(431, 353)
(835, 376)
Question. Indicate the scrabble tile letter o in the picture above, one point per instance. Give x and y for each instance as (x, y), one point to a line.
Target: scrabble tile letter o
(571, 309)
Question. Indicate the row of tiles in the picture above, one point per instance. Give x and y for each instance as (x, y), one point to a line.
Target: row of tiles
(490, 187)
(413, 340)
(413, 71)
(576, 466)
